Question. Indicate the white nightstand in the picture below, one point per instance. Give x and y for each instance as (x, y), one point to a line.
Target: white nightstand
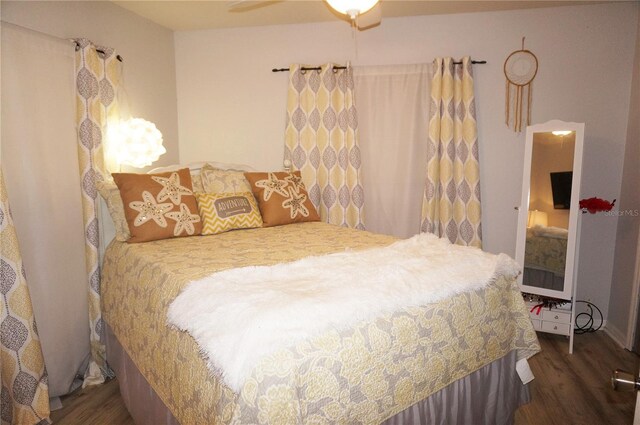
(552, 320)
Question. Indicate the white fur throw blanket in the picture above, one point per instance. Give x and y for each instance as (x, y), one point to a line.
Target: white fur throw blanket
(238, 316)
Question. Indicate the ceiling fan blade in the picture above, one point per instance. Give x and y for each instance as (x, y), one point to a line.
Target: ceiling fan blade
(370, 18)
(234, 4)
(245, 5)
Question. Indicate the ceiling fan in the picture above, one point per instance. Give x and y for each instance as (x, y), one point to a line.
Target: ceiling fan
(363, 14)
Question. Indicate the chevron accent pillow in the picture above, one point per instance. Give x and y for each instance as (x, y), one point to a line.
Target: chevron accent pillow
(221, 212)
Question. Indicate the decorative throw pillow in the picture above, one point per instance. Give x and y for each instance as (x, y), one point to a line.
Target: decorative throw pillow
(221, 212)
(196, 181)
(215, 180)
(159, 206)
(282, 198)
(111, 195)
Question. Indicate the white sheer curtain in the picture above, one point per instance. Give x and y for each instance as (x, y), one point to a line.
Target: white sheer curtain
(393, 113)
(40, 165)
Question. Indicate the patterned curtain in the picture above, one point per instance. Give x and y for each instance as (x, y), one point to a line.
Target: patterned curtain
(23, 376)
(451, 203)
(321, 141)
(97, 78)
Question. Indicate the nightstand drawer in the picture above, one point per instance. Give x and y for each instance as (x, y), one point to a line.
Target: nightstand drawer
(556, 328)
(556, 316)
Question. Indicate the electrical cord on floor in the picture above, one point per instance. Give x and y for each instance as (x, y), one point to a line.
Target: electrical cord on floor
(588, 326)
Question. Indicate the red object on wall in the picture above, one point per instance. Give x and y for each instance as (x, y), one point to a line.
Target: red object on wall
(594, 205)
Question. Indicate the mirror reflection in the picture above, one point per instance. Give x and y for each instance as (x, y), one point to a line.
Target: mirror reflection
(549, 205)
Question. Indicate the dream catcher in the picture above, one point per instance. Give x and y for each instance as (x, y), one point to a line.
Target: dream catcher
(520, 68)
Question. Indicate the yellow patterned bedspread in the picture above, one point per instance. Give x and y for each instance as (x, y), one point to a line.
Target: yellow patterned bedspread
(545, 253)
(363, 375)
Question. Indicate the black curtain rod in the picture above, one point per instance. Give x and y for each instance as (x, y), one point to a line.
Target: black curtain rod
(304, 68)
(100, 51)
(317, 68)
(473, 62)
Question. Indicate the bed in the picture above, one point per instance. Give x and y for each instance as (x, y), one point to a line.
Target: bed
(453, 361)
(545, 258)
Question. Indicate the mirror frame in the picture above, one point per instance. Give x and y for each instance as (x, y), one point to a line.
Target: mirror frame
(574, 211)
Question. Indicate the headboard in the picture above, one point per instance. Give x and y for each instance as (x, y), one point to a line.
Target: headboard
(196, 166)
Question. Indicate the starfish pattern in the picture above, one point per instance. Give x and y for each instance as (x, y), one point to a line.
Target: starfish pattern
(296, 204)
(295, 181)
(184, 220)
(272, 184)
(172, 189)
(149, 209)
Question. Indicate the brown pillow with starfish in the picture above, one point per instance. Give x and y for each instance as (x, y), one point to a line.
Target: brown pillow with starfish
(159, 206)
(282, 198)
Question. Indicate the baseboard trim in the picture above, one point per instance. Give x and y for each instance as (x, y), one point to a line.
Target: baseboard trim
(617, 335)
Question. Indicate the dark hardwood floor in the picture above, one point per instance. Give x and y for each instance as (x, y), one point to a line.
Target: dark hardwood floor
(568, 389)
(575, 388)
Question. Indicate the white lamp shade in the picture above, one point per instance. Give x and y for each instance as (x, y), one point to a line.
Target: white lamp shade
(135, 142)
(352, 7)
(538, 218)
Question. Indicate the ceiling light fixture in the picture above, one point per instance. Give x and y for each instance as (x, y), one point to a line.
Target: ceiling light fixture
(352, 8)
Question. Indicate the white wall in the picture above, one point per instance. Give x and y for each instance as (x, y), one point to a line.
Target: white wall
(147, 49)
(232, 108)
(621, 302)
(57, 278)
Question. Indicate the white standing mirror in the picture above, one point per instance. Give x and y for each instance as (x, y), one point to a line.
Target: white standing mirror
(549, 209)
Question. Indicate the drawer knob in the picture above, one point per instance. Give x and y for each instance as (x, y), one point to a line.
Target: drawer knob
(557, 317)
(555, 328)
